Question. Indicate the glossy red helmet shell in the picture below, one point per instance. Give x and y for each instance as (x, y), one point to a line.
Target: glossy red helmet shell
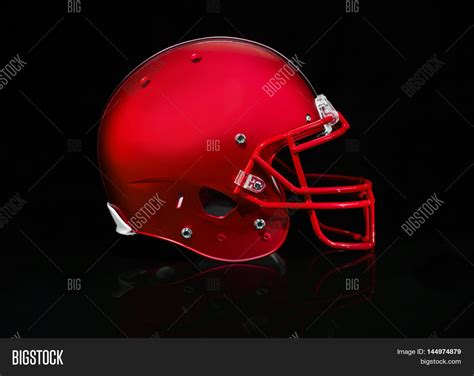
(187, 150)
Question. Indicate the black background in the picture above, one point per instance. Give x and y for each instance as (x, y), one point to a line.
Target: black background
(410, 148)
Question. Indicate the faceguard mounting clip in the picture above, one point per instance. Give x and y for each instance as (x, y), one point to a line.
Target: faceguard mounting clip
(325, 109)
(250, 182)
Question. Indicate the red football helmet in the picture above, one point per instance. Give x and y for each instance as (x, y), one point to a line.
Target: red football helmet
(189, 149)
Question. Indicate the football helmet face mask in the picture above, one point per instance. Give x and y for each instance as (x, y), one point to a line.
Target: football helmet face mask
(189, 149)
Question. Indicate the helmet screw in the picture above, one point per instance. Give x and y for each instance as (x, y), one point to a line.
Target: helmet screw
(259, 223)
(308, 118)
(257, 185)
(186, 232)
(240, 138)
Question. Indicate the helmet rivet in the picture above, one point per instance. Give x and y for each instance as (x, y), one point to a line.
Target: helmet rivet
(195, 58)
(186, 232)
(145, 81)
(308, 118)
(240, 138)
(259, 223)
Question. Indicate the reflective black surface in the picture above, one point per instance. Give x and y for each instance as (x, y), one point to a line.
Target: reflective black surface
(294, 293)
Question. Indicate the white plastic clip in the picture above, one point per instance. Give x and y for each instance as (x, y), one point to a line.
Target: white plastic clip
(325, 109)
(250, 182)
(121, 226)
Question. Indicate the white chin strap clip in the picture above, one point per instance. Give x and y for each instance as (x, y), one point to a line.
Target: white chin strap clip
(121, 226)
(325, 109)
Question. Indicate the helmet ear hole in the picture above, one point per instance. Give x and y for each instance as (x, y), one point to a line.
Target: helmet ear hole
(215, 203)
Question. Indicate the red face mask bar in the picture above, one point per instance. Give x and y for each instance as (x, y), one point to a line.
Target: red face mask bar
(331, 126)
